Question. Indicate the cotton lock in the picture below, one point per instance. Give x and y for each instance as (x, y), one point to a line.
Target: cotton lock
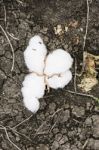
(33, 86)
(35, 54)
(58, 62)
(59, 81)
(31, 104)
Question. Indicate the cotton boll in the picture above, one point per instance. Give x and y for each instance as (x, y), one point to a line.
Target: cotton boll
(35, 54)
(59, 81)
(57, 62)
(31, 104)
(33, 86)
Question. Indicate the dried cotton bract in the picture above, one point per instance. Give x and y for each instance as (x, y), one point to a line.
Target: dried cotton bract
(51, 70)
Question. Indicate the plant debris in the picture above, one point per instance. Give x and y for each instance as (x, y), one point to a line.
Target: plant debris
(89, 79)
(58, 30)
(73, 23)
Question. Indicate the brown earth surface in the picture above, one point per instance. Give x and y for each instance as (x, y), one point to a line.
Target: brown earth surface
(65, 121)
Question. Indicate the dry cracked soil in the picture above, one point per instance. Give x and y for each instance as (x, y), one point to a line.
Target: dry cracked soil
(66, 120)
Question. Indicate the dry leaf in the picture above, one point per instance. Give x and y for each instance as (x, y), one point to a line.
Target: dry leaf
(89, 79)
(88, 83)
(90, 66)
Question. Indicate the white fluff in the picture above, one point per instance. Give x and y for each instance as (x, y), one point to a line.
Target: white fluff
(59, 81)
(54, 70)
(58, 62)
(35, 54)
(31, 104)
(33, 86)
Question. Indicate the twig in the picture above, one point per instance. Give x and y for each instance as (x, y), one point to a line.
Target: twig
(85, 36)
(22, 122)
(16, 132)
(4, 128)
(5, 14)
(10, 46)
(12, 36)
(40, 127)
(45, 122)
(58, 110)
(82, 94)
(85, 144)
(19, 2)
(87, 23)
(52, 127)
(40, 133)
(75, 86)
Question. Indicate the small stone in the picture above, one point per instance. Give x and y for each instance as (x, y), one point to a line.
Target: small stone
(55, 130)
(17, 138)
(78, 111)
(58, 137)
(73, 147)
(88, 122)
(30, 148)
(63, 117)
(96, 145)
(52, 107)
(66, 46)
(81, 29)
(42, 147)
(55, 145)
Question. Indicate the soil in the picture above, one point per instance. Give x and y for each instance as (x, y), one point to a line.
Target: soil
(65, 121)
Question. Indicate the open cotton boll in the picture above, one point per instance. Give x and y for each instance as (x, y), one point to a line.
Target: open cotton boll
(33, 86)
(31, 104)
(35, 54)
(59, 81)
(57, 62)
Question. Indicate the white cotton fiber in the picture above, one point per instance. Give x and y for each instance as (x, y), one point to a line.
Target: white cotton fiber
(31, 104)
(35, 54)
(58, 62)
(33, 86)
(59, 81)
